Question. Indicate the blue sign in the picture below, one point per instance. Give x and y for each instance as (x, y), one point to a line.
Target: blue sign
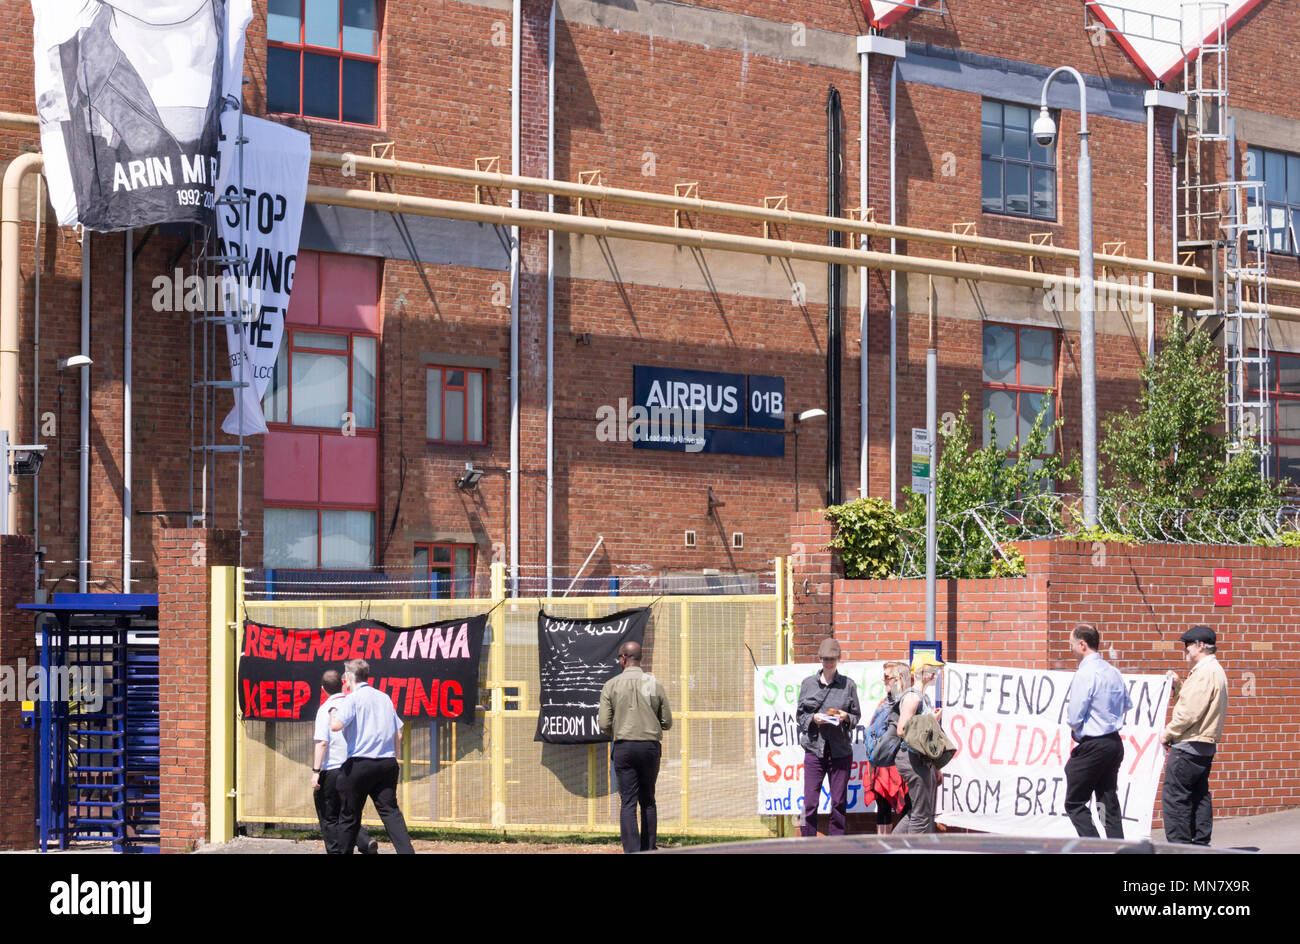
(704, 411)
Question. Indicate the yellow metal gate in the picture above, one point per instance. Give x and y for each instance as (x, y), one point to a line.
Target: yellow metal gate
(492, 774)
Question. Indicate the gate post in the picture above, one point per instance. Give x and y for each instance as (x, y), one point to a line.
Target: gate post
(184, 675)
(17, 651)
(496, 710)
(222, 721)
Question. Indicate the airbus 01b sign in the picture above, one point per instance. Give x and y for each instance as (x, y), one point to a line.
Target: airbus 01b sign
(703, 411)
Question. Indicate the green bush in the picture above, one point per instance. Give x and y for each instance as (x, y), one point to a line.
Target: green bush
(868, 538)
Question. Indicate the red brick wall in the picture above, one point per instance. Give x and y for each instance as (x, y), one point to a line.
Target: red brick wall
(1140, 598)
(184, 558)
(17, 746)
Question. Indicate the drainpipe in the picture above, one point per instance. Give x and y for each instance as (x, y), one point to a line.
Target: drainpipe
(893, 287)
(128, 300)
(83, 487)
(517, 13)
(550, 310)
(36, 379)
(864, 200)
(895, 49)
(834, 315)
(10, 232)
(1153, 99)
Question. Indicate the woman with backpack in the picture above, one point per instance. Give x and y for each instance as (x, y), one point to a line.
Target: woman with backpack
(918, 772)
(883, 745)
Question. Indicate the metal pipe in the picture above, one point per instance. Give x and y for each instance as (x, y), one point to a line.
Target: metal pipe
(750, 245)
(550, 310)
(893, 287)
(1151, 227)
(83, 485)
(931, 498)
(834, 314)
(418, 170)
(1087, 298)
(36, 379)
(864, 312)
(10, 233)
(128, 306)
(600, 539)
(515, 70)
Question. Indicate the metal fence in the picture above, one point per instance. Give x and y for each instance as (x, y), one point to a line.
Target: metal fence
(493, 775)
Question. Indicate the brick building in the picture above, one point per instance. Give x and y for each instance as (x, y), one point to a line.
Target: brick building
(405, 321)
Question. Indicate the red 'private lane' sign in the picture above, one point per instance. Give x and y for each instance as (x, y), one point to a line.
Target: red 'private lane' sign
(1222, 586)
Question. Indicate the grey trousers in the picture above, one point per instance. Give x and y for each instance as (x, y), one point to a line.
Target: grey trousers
(919, 776)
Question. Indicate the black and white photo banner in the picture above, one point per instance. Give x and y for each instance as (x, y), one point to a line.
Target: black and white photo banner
(129, 95)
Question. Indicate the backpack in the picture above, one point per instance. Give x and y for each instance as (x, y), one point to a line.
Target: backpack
(883, 741)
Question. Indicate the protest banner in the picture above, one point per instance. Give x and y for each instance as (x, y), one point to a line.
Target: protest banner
(575, 658)
(779, 756)
(1008, 775)
(429, 671)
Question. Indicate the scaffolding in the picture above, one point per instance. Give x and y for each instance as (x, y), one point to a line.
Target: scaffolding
(217, 264)
(1224, 217)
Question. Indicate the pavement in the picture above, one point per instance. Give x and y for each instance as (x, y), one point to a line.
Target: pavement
(1271, 832)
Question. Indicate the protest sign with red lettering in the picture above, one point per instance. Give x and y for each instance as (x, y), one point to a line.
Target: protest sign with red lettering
(1008, 775)
(779, 758)
(429, 671)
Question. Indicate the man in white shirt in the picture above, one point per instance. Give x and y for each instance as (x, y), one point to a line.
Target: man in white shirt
(331, 752)
(373, 734)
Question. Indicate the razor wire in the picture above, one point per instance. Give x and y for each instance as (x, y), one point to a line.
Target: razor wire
(976, 542)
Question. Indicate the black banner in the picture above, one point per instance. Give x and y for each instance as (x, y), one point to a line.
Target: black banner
(429, 671)
(575, 658)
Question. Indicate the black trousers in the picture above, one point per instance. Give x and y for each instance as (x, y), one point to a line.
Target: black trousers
(636, 768)
(329, 810)
(376, 778)
(1185, 799)
(1093, 768)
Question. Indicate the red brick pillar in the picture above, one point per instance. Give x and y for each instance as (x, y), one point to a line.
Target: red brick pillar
(17, 746)
(184, 606)
(816, 569)
(534, 138)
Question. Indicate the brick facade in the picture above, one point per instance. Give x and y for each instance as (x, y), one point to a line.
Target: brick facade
(184, 606)
(17, 745)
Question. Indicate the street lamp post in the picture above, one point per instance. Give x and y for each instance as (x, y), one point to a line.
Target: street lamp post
(1045, 134)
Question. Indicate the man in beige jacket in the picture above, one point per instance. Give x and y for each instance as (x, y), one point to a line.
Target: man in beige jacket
(1191, 736)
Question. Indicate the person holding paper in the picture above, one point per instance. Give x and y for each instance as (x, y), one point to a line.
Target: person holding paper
(1095, 707)
(828, 712)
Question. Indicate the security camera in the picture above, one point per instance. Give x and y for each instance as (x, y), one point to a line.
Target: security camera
(1044, 129)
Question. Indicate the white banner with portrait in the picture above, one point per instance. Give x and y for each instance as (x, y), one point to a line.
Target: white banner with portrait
(129, 95)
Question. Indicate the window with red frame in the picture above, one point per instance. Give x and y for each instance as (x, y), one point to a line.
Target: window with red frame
(311, 538)
(322, 59)
(449, 567)
(1019, 381)
(455, 405)
(320, 375)
(1284, 434)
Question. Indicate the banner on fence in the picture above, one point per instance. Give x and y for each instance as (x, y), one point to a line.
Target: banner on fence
(1008, 775)
(575, 658)
(429, 671)
(780, 758)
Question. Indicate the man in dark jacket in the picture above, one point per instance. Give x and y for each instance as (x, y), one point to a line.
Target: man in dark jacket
(827, 714)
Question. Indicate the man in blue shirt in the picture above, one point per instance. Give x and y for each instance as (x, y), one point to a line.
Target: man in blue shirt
(1097, 702)
(373, 733)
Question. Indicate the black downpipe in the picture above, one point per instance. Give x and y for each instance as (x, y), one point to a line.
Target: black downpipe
(834, 310)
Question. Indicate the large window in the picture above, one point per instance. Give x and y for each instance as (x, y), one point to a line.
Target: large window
(311, 538)
(1284, 432)
(1019, 176)
(322, 59)
(1019, 383)
(455, 405)
(449, 567)
(1281, 176)
(321, 375)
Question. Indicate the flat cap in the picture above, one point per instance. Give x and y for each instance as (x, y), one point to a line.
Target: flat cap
(1198, 634)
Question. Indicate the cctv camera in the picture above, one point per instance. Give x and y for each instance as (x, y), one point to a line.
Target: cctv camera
(1044, 129)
